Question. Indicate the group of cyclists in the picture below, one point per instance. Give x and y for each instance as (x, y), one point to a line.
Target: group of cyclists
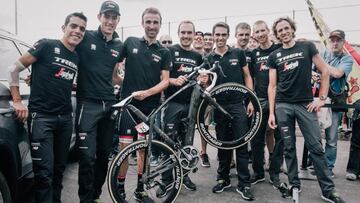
(280, 73)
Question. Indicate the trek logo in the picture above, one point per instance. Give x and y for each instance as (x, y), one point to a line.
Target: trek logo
(263, 67)
(184, 68)
(291, 66)
(114, 53)
(156, 58)
(186, 60)
(262, 58)
(56, 50)
(65, 62)
(233, 62)
(291, 56)
(64, 75)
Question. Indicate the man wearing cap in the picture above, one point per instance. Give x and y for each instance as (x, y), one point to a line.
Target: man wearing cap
(99, 54)
(198, 43)
(341, 64)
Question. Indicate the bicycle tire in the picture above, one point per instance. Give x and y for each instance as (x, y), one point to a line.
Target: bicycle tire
(131, 182)
(243, 94)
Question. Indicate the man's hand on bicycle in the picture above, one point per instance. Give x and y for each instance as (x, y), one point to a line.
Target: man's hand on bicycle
(141, 95)
(179, 81)
(204, 80)
(250, 109)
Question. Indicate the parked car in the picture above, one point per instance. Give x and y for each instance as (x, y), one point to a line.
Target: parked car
(16, 176)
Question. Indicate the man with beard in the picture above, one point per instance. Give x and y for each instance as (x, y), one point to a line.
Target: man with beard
(184, 60)
(146, 75)
(259, 58)
(290, 81)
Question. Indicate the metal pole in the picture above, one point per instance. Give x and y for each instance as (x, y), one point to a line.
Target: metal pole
(16, 18)
(122, 33)
(225, 19)
(293, 14)
(169, 27)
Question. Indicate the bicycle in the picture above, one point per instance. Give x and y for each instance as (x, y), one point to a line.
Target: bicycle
(176, 158)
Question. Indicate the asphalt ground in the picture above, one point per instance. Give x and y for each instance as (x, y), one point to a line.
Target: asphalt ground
(205, 179)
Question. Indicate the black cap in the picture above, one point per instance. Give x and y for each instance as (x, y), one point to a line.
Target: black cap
(110, 6)
(337, 33)
(199, 33)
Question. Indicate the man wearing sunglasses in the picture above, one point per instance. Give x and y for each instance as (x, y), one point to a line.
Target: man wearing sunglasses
(198, 43)
(166, 41)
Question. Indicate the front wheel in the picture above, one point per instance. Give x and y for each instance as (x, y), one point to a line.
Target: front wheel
(169, 164)
(222, 102)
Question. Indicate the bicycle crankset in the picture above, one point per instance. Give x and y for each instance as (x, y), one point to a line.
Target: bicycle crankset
(189, 157)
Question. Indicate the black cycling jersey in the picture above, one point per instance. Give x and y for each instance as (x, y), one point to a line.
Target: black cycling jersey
(52, 76)
(98, 59)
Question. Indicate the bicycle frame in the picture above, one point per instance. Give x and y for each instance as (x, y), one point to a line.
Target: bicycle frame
(197, 94)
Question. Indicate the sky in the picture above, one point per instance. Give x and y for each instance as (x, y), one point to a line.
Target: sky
(43, 18)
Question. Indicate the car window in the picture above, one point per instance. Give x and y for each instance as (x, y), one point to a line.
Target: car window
(8, 55)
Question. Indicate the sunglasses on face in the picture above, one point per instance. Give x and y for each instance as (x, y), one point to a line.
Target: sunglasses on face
(166, 42)
(198, 38)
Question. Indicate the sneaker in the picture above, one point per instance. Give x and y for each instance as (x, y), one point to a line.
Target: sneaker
(142, 197)
(189, 185)
(245, 193)
(205, 160)
(275, 183)
(351, 176)
(221, 185)
(333, 197)
(257, 179)
(163, 189)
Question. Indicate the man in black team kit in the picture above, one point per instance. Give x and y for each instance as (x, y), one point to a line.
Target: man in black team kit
(54, 67)
(184, 59)
(146, 75)
(260, 72)
(99, 54)
(235, 68)
(290, 80)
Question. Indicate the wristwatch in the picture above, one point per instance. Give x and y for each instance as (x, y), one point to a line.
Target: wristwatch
(322, 98)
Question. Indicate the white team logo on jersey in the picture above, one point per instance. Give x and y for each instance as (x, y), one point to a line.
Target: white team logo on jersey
(135, 51)
(114, 53)
(176, 53)
(233, 62)
(57, 50)
(93, 47)
(257, 53)
(278, 54)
